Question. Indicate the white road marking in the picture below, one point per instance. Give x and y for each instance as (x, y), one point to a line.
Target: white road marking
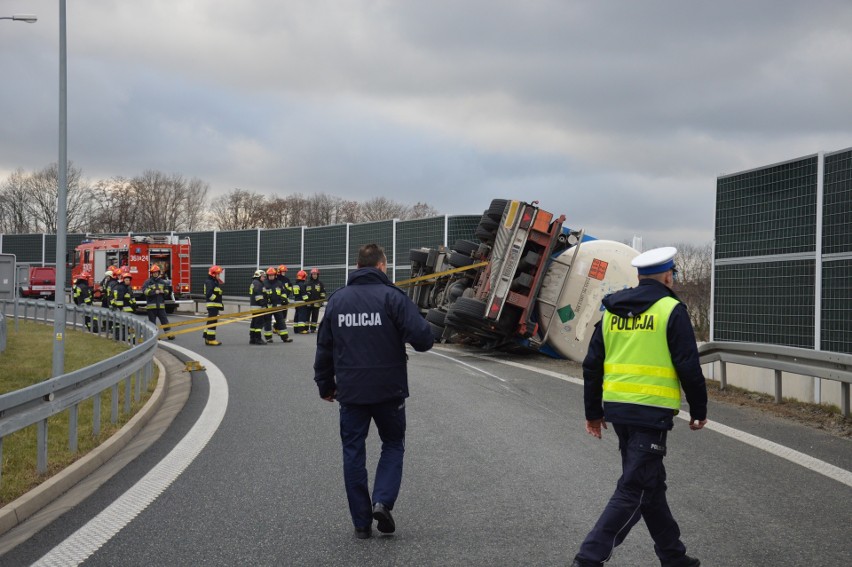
(77, 547)
(811, 463)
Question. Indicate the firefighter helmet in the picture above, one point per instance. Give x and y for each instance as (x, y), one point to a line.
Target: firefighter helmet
(270, 271)
(282, 269)
(258, 273)
(302, 275)
(314, 271)
(126, 275)
(115, 270)
(154, 269)
(108, 274)
(214, 271)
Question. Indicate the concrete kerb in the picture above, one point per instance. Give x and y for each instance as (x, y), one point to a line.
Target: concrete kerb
(15, 512)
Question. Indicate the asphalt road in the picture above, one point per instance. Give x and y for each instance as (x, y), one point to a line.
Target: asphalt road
(498, 471)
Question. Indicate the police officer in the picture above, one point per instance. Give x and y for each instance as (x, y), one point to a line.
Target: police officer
(278, 297)
(213, 295)
(316, 292)
(257, 300)
(640, 356)
(155, 291)
(300, 294)
(123, 300)
(82, 294)
(361, 362)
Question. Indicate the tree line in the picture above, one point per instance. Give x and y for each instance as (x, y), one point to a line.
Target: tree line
(156, 201)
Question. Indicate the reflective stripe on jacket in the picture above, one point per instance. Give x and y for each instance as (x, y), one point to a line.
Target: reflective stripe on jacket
(638, 368)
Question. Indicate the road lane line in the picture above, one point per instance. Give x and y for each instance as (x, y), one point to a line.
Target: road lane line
(77, 547)
(811, 463)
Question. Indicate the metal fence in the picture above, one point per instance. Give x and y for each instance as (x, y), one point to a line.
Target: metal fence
(805, 362)
(35, 404)
(331, 249)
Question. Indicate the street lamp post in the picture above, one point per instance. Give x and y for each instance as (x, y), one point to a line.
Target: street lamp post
(28, 18)
(61, 204)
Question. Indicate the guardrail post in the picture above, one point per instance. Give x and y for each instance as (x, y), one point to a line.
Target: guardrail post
(1, 460)
(41, 446)
(96, 415)
(72, 428)
(723, 375)
(137, 385)
(114, 416)
(778, 395)
(844, 400)
(128, 393)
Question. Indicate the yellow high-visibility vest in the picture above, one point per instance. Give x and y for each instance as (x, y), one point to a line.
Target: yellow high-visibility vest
(638, 368)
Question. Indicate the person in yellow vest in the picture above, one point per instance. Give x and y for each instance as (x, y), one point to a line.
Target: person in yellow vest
(641, 354)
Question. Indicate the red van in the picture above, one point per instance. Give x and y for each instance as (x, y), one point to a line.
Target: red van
(37, 282)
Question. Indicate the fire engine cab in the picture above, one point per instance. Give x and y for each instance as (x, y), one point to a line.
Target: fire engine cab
(137, 254)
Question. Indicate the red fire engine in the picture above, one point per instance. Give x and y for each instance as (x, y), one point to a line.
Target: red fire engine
(137, 254)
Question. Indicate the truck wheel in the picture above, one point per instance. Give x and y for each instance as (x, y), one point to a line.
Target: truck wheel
(436, 316)
(469, 307)
(466, 247)
(418, 256)
(495, 210)
(488, 223)
(485, 235)
(437, 331)
(458, 260)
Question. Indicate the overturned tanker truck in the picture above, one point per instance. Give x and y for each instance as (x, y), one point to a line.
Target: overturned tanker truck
(533, 283)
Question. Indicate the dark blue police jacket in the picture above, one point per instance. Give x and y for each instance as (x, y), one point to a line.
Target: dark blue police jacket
(361, 340)
(684, 352)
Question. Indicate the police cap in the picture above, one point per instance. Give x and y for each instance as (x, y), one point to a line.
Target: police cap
(655, 261)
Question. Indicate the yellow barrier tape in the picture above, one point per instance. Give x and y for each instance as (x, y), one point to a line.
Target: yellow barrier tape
(226, 319)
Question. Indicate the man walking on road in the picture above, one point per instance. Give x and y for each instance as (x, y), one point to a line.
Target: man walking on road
(641, 354)
(361, 362)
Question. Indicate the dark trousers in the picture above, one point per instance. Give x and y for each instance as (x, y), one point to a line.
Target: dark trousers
(280, 324)
(354, 426)
(210, 332)
(159, 313)
(300, 321)
(256, 325)
(313, 317)
(640, 493)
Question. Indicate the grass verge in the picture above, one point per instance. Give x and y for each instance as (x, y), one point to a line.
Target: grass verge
(26, 361)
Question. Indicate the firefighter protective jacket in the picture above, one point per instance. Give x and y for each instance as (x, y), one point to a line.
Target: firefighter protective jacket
(213, 293)
(122, 297)
(257, 294)
(150, 288)
(82, 293)
(277, 292)
(315, 290)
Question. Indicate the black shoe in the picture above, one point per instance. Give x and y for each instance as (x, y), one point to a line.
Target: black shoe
(286, 340)
(382, 515)
(363, 533)
(269, 341)
(685, 561)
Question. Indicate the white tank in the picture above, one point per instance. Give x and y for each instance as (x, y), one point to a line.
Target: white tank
(568, 309)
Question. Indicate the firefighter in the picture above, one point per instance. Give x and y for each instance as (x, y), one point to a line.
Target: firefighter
(213, 294)
(288, 295)
(316, 292)
(257, 300)
(300, 294)
(83, 296)
(107, 285)
(269, 289)
(277, 293)
(123, 300)
(155, 291)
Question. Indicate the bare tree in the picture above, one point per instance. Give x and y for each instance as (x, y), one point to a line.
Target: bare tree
(239, 210)
(115, 206)
(169, 202)
(43, 189)
(381, 208)
(15, 216)
(695, 265)
(421, 211)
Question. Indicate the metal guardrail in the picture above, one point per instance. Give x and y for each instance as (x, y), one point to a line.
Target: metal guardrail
(820, 364)
(35, 404)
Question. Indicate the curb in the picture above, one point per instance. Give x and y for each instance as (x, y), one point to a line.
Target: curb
(25, 506)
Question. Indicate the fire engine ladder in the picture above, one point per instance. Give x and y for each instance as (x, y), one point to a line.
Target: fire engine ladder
(184, 267)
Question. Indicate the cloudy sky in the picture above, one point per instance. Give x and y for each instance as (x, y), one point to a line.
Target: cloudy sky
(618, 114)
